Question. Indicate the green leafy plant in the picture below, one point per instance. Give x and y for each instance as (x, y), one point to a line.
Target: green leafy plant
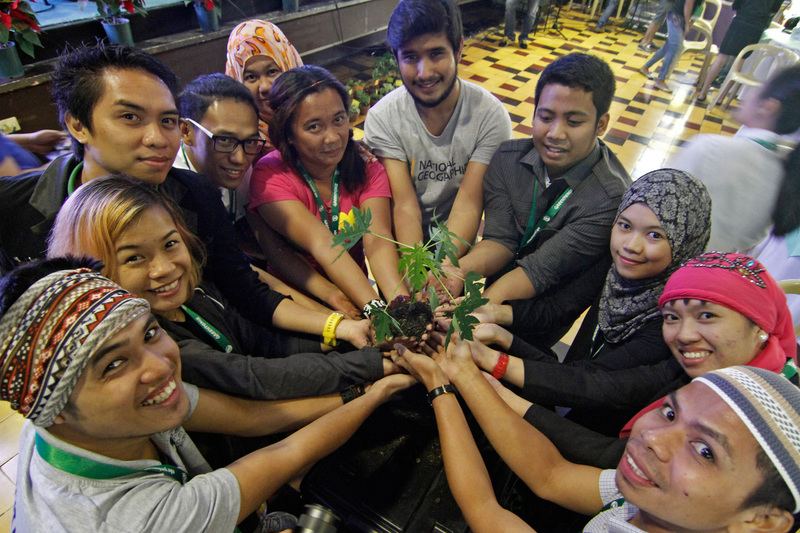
(18, 22)
(415, 263)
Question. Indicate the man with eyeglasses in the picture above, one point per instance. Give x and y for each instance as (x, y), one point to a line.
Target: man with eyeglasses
(219, 134)
(119, 105)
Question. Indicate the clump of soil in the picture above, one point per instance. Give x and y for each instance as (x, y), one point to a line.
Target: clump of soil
(413, 317)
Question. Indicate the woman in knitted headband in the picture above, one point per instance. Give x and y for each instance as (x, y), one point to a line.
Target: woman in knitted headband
(104, 447)
(258, 52)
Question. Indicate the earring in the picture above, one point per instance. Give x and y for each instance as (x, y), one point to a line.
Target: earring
(763, 337)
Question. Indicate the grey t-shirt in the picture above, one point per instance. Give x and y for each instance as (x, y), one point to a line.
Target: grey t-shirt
(394, 129)
(49, 499)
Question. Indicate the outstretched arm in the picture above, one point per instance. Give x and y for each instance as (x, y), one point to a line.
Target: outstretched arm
(466, 473)
(465, 216)
(527, 452)
(263, 472)
(406, 212)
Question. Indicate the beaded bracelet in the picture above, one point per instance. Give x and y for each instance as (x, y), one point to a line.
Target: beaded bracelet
(329, 331)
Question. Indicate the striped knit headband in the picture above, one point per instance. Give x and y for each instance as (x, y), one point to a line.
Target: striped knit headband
(50, 333)
(769, 405)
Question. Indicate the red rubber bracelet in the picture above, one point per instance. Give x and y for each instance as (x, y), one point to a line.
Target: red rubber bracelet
(501, 366)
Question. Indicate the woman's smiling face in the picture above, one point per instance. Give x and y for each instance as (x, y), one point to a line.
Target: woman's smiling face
(153, 261)
(705, 336)
(639, 245)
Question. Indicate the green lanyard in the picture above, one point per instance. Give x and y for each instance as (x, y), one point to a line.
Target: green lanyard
(213, 332)
(74, 179)
(333, 224)
(772, 147)
(89, 468)
(789, 369)
(533, 228)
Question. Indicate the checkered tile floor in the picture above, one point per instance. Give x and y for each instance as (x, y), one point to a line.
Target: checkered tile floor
(647, 125)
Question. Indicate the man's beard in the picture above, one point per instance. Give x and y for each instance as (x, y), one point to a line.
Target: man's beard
(439, 100)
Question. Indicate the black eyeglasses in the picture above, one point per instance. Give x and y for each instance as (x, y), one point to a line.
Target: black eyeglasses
(227, 145)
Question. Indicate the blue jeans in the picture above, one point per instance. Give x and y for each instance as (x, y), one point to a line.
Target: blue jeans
(670, 48)
(511, 19)
(610, 8)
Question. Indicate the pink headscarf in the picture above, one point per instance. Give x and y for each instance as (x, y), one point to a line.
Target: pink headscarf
(259, 38)
(742, 284)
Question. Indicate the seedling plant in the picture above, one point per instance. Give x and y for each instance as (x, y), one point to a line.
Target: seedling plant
(415, 262)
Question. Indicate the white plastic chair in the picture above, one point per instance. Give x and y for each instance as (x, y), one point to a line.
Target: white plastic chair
(701, 31)
(765, 59)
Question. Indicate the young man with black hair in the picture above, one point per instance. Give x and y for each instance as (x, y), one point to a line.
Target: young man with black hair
(435, 135)
(119, 104)
(550, 200)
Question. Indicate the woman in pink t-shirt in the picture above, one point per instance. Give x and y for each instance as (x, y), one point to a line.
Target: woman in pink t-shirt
(318, 175)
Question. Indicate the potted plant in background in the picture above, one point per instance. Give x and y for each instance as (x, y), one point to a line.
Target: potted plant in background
(117, 27)
(208, 13)
(18, 28)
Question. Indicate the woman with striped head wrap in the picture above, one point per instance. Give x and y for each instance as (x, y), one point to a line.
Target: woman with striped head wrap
(258, 52)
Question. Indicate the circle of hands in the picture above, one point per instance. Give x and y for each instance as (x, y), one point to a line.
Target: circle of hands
(433, 363)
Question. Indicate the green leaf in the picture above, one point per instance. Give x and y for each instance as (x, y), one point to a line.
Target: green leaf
(433, 300)
(463, 322)
(25, 46)
(446, 247)
(31, 36)
(350, 234)
(384, 323)
(4, 34)
(416, 261)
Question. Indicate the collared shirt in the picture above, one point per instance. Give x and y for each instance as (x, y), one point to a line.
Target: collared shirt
(616, 518)
(578, 235)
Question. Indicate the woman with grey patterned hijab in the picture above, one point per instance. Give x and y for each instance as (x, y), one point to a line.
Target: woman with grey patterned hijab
(683, 207)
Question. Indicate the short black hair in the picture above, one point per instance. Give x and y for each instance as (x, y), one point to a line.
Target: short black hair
(588, 72)
(785, 88)
(773, 491)
(199, 94)
(412, 18)
(77, 81)
(17, 281)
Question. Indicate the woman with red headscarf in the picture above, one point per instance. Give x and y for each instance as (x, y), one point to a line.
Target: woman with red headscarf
(719, 310)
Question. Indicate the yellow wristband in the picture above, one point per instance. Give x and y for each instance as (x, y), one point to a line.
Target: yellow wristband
(329, 331)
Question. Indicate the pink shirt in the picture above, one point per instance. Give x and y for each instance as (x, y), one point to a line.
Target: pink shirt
(274, 181)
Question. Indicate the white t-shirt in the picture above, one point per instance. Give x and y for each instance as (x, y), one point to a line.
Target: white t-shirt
(52, 500)
(394, 129)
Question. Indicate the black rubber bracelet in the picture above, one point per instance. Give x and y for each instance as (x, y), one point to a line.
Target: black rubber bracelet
(376, 303)
(447, 388)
